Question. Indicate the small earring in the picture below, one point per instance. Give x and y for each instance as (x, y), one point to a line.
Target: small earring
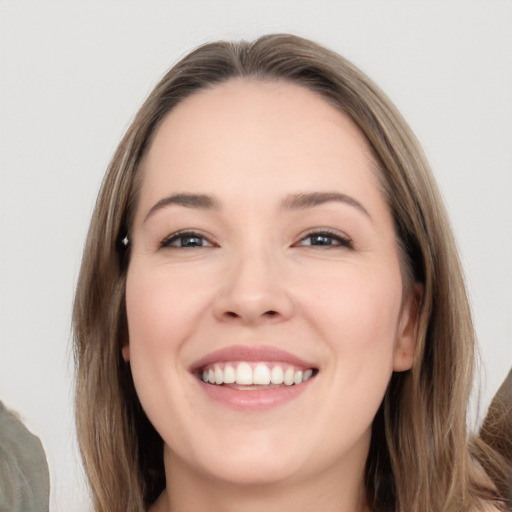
(125, 241)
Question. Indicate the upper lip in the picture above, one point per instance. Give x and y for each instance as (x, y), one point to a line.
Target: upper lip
(250, 353)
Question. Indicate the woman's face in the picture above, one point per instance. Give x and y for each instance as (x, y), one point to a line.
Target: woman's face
(263, 251)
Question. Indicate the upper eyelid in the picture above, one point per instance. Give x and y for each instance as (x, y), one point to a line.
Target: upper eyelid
(326, 231)
(187, 232)
(334, 233)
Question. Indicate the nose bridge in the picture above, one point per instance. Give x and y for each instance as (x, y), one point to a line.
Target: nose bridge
(254, 289)
(254, 273)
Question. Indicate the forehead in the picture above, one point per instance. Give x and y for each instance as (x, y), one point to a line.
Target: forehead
(259, 134)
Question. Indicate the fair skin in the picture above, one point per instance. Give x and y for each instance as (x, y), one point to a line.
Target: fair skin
(261, 237)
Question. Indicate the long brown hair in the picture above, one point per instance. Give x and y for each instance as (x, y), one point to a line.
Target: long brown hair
(419, 458)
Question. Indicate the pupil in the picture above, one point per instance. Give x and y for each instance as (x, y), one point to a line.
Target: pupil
(321, 240)
(190, 241)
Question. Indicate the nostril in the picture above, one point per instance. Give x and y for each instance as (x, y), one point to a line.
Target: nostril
(270, 313)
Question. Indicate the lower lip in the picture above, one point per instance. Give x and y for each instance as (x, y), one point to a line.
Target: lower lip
(256, 400)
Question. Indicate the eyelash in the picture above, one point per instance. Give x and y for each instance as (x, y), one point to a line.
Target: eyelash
(167, 242)
(339, 239)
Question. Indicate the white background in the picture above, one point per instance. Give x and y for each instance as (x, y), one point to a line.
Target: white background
(74, 73)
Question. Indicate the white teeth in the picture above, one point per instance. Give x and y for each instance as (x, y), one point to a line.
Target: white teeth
(277, 375)
(306, 376)
(219, 375)
(229, 375)
(288, 376)
(243, 374)
(261, 375)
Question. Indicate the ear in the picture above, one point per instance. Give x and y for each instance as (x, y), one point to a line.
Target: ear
(408, 329)
(125, 351)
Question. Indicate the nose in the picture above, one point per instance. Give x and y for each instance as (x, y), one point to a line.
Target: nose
(253, 292)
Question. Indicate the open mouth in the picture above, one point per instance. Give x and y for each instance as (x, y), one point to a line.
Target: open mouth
(247, 376)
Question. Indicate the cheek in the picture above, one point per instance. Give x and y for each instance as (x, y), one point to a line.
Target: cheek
(359, 306)
(161, 318)
(160, 312)
(358, 313)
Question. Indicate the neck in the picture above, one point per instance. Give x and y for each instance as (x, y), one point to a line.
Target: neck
(335, 490)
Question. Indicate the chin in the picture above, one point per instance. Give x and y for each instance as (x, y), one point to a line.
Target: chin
(257, 472)
(245, 458)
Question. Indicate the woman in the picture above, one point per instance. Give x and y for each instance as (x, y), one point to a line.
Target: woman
(270, 311)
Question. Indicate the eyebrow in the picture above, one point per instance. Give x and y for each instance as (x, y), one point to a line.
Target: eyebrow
(201, 201)
(309, 200)
(301, 201)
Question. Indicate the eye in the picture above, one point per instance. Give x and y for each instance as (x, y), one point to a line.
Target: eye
(325, 239)
(186, 239)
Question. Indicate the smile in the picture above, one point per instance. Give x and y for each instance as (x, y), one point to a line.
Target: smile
(246, 375)
(253, 378)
